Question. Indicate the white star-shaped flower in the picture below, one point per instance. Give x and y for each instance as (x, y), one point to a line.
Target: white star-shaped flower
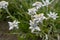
(37, 5)
(53, 15)
(32, 11)
(33, 26)
(3, 4)
(47, 2)
(13, 24)
(39, 17)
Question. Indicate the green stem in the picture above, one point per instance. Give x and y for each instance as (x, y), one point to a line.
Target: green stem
(47, 9)
(58, 37)
(54, 26)
(50, 30)
(10, 14)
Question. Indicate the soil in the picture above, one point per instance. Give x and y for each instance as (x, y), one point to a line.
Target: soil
(4, 29)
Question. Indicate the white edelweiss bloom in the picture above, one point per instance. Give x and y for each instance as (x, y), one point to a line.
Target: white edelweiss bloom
(33, 26)
(37, 5)
(13, 24)
(47, 2)
(3, 4)
(53, 15)
(39, 17)
(32, 11)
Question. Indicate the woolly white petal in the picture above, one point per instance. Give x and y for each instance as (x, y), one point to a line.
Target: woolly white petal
(11, 27)
(32, 31)
(37, 28)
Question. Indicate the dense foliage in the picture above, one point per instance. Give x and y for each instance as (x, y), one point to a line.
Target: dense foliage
(18, 10)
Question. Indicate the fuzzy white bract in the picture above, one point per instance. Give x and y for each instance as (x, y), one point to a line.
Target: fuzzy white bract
(3, 4)
(53, 15)
(37, 5)
(32, 11)
(46, 37)
(13, 24)
(33, 26)
(39, 17)
(47, 2)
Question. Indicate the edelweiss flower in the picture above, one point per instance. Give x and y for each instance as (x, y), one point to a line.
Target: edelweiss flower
(39, 17)
(13, 24)
(53, 15)
(3, 4)
(37, 4)
(47, 2)
(32, 11)
(33, 26)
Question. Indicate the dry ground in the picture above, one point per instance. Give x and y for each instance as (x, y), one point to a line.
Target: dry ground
(4, 30)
